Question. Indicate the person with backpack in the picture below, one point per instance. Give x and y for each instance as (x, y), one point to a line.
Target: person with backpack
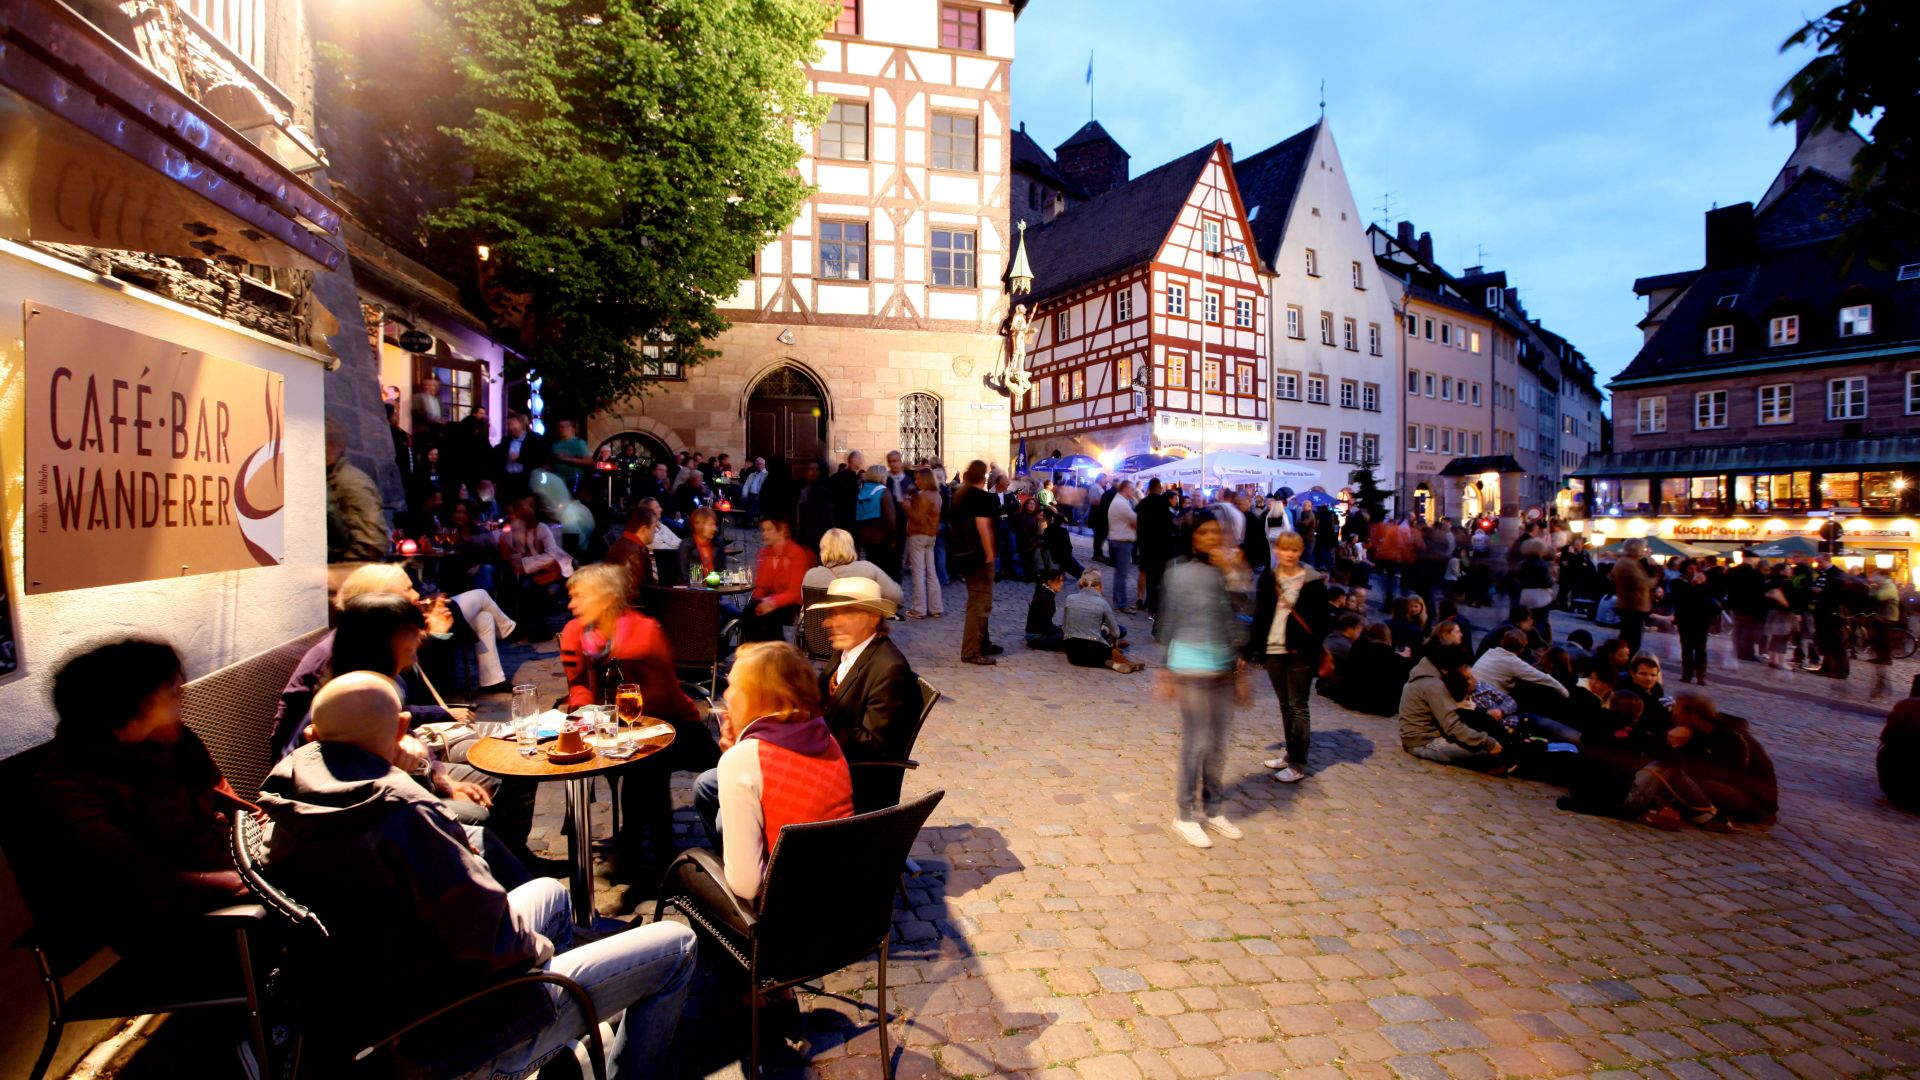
(876, 521)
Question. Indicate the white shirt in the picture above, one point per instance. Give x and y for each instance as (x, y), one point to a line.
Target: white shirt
(1122, 524)
(847, 658)
(663, 539)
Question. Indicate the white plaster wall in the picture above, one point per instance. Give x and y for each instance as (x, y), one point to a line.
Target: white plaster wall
(213, 619)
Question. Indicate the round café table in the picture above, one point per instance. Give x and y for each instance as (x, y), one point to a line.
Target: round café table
(501, 757)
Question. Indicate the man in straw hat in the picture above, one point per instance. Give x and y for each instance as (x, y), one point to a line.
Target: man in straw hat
(415, 919)
(869, 693)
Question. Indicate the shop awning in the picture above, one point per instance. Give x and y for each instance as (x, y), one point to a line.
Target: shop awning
(102, 150)
(1831, 455)
(1474, 466)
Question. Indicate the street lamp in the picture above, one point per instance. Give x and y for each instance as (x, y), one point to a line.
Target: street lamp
(1220, 253)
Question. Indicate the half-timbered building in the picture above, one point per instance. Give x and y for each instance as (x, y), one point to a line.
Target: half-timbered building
(873, 321)
(1150, 318)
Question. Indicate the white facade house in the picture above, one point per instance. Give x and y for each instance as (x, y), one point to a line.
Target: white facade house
(1332, 347)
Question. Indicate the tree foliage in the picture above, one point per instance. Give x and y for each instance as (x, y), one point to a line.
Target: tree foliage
(1368, 495)
(1867, 62)
(620, 160)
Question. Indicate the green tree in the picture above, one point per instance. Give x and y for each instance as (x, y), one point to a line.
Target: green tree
(621, 162)
(1368, 495)
(1867, 62)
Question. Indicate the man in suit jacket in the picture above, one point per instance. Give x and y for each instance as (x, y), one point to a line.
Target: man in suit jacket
(871, 696)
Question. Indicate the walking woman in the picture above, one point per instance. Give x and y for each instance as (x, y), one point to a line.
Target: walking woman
(1203, 638)
(1290, 620)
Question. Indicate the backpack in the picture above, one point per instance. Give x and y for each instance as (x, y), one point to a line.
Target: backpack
(866, 506)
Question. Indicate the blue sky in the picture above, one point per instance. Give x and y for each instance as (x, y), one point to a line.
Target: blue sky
(1578, 143)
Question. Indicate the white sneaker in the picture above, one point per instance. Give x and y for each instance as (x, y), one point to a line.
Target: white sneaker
(1275, 762)
(1224, 827)
(1192, 833)
(1289, 775)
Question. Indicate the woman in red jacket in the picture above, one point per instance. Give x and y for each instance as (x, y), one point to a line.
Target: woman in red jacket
(607, 643)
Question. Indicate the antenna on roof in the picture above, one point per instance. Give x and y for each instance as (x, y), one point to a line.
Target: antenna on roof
(1089, 86)
(1386, 208)
(1323, 99)
(1480, 254)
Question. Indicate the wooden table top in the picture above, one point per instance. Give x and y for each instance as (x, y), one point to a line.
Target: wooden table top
(501, 757)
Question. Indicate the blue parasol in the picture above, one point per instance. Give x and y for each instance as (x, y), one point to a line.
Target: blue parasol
(1314, 497)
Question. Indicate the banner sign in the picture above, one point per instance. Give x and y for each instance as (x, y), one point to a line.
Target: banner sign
(144, 459)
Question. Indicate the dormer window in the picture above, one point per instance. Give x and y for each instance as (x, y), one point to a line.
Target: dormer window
(1719, 340)
(1493, 297)
(1728, 300)
(1783, 330)
(1856, 321)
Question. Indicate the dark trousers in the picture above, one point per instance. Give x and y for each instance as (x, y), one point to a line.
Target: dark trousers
(1632, 625)
(973, 636)
(1099, 537)
(1830, 632)
(1749, 640)
(1155, 565)
(769, 627)
(1292, 677)
(1693, 651)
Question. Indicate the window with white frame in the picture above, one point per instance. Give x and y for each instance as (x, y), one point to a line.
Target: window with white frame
(1370, 448)
(955, 141)
(1370, 398)
(1317, 389)
(1213, 307)
(1350, 331)
(1373, 338)
(1493, 297)
(1446, 440)
(1856, 320)
(1413, 436)
(1719, 339)
(1211, 237)
(1346, 444)
(1476, 393)
(1446, 333)
(1847, 398)
(1326, 328)
(1313, 447)
(1446, 388)
(1283, 442)
(1349, 393)
(1428, 323)
(1242, 312)
(843, 250)
(1650, 415)
(1286, 385)
(1783, 330)
(1062, 325)
(1476, 444)
(1243, 378)
(953, 255)
(1427, 439)
(1460, 338)
(1475, 336)
(1413, 381)
(1776, 404)
(1709, 410)
(1294, 329)
(1428, 382)
(1413, 325)
(1177, 370)
(1177, 300)
(1357, 283)
(1123, 305)
(1913, 393)
(1313, 263)
(1210, 377)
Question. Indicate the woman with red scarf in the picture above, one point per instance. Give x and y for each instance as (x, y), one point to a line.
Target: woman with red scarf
(702, 548)
(607, 643)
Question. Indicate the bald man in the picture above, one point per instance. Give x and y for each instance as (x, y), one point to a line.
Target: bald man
(414, 916)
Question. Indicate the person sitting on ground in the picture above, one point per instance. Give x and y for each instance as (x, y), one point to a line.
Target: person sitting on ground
(782, 766)
(1094, 635)
(137, 806)
(1617, 655)
(607, 643)
(702, 548)
(1408, 623)
(1643, 681)
(1898, 762)
(633, 552)
(777, 588)
(1615, 745)
(870, 695)
(1377, 673)
(839, 560)
(1059, 542)
(1431, 727)
(1579, 645)
(1587, 699)
(1503, 667)
(1713, 772)
(1558, 662)
(1518, 618)
(1357, 597)
(403, 894)
(1339, 646)
(1042, 633)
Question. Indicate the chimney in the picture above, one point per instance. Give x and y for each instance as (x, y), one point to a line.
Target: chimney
(1425, 246)
(1730, 236)
(1472, 271)
(1405, 235)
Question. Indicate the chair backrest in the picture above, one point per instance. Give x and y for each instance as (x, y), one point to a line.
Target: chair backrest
(232, 710)
(829, 893)
(249, 852)
(813, 630)
(929, 697)
(691, 619)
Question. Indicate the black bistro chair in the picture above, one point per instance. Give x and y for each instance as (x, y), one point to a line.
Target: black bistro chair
(827, 902)
(310, 1051)
(698, 630)
(876, 784)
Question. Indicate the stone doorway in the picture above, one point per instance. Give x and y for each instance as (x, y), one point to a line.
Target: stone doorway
(787, 417)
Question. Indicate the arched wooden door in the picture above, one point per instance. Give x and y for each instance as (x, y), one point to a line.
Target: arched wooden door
(787, 417)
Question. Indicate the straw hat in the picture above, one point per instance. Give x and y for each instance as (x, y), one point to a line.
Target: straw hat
(855, 592)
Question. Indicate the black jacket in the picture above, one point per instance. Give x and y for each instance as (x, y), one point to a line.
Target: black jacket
(1153, 517)
(687, 554)
(1306, 632)
(873, 711)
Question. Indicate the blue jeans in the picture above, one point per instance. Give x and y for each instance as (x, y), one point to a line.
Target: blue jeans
(706, 803)
(1122, 571)
(1206, 720)
(940, 556)
(644, 971)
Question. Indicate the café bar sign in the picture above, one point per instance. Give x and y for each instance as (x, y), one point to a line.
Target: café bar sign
(144, 459)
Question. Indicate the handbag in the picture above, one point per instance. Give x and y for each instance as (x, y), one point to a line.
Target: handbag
(543, 569)
(1325, 668)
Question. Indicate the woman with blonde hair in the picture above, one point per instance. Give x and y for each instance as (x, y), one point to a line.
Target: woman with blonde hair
(1093, 634)
(838, 559)
(781, 766)
(607, 643)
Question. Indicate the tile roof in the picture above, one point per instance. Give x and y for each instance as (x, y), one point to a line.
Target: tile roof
(1123, 228)
(1268, 182)
(1027, 154)
(1791, 272)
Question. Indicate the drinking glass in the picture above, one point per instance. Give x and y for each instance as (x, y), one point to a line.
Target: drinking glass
(526, 724)
(606, 725)
(628, 702)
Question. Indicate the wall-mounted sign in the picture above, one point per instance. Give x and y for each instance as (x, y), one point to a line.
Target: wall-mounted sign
(417, 341)
(145, 459)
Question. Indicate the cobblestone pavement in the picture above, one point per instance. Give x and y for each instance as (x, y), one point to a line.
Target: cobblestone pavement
(1387, 916)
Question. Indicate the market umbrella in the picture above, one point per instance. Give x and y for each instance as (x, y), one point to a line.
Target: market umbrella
(1071, 461)
(1144, 461)
(1230, 468)
(1314, 497)
(1657, 545)
(1785, 547)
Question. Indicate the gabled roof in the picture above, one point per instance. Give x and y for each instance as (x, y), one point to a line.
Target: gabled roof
(1791, 272)
(1028, 155)
(1654, 283)
(1268, 182)
(1091, 131)
(1123, 228)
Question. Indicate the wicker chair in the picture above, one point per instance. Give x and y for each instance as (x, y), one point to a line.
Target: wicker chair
(307, 948)
(232, 710)
(876, 784)
(697, 630)
(813, 629)
(826, 902)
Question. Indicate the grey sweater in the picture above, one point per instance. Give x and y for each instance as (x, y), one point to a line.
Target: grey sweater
(1428, 712)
